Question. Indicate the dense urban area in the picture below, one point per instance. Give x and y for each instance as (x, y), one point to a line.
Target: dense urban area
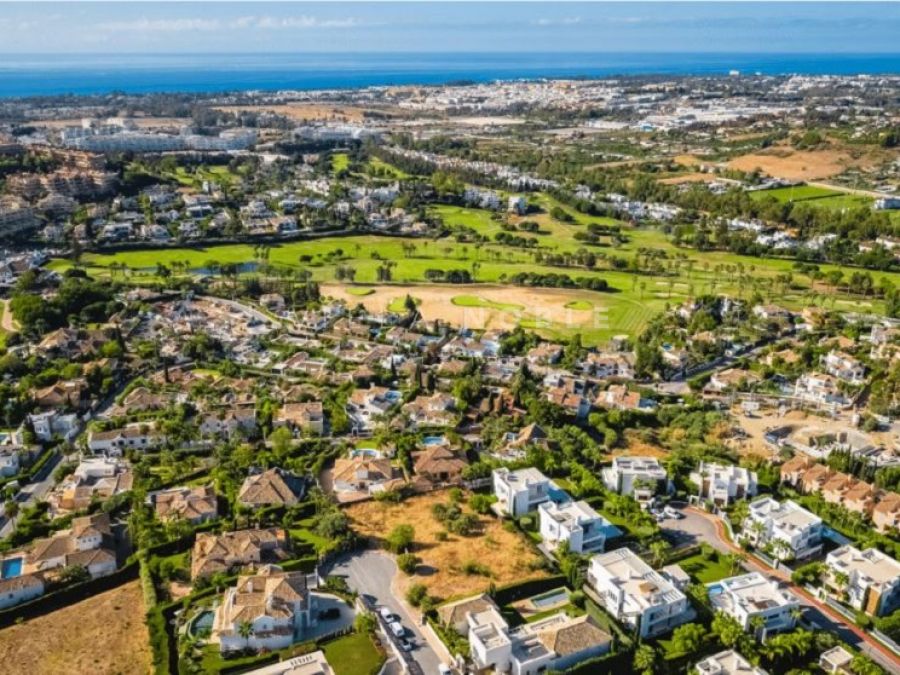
(573, 376)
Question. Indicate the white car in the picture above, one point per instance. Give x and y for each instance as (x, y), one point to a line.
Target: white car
(386, 614)
(672, 513)
(444, 669)
(397, 629)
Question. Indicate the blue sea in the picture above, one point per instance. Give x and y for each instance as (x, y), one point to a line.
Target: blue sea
(35, 75)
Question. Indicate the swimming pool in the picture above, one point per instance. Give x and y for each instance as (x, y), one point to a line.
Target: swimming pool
(557, 596)
(714, 589)
(11, 567)
(201, 623)
(434, 440)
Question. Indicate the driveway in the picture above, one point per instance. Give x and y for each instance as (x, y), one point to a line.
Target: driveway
(370, 573)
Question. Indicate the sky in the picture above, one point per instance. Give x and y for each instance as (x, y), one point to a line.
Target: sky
(628, 26)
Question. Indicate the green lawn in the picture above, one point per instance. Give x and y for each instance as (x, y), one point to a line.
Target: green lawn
(398, 304)
(580, 305)
(388, 170)
(354, 654)
(475, 301)
(795, 193)
(360, 291)
(706, 571)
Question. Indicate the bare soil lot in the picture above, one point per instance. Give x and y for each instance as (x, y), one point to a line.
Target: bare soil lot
(305, 111)
(104, 635)
(785, 162)
(505, 554)
(436, 302)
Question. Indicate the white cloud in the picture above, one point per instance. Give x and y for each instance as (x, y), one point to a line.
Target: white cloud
(161, 25)
(565, 21)
(276, 22)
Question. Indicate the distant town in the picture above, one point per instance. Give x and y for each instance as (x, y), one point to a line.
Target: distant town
(570, 376)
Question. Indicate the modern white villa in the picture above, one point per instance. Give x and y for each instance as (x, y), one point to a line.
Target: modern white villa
(869, 580)
(637, 595)
(752, 595)
(723, 484)
(576, 523)
(641, 477)
(791, 531)
(522, 490)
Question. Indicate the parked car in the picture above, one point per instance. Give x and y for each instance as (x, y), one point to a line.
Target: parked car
(397, 629)
(386, 614)
(406, 645)
(673, 513)
(444, 669)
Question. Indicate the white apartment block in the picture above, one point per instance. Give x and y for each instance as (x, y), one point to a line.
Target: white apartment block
(844, 367)
(873, 578)
(727, 663)
(641, 477)
(750, 595)
(793, 531)
(521, 491)
(576, 523)
(636, 595)
(555, 643)
(723, 484)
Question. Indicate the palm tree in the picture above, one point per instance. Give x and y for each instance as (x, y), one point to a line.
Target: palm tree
(758, 624)
(840, 581)
(245, 630)
(645, 659)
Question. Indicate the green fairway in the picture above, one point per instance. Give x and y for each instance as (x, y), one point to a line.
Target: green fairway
(580, 305)
(795, 193)
(475, 301)
(382, 169)
(398, 305)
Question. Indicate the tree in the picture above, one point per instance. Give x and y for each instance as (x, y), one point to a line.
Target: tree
(688, 638)
(863, 665)
(365, 622)
(245, 630)
(400, 538)
(645, 660)
(416, 594)
(659, 549)
(727, 629)
(408, 562)
(281, 440)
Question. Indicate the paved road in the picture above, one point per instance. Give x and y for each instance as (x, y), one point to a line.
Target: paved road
(698, 526)
(32, 493)
(370, 573)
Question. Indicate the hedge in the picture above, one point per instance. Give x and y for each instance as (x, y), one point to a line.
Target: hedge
(608, 664)
(68, 596)
(513, 592)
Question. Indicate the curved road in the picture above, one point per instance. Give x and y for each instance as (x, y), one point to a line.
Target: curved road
(699, 526)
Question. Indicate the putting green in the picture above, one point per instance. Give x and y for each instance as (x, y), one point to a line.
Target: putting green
(359, 291)
(476, 301)
(580, 305)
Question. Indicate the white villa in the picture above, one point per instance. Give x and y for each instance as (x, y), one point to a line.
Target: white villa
(637, 595)
(872, 578)
(793, 531)
(727, 663)
(276, 606)
(641, 477)
(555, 643)
(749, 595)
(844, 367)
(576, 523)
(723, 484)
(521, 491)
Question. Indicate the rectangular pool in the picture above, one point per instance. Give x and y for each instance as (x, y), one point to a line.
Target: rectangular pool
(11, 567)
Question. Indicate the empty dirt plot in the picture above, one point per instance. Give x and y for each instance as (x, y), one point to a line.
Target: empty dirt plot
(785, 162)
(103, 635)
(300, 112)
(480, 305)
(502, 556)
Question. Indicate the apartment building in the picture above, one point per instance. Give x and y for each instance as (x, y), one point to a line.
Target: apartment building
(522, 490)
(751, 595)
(637, 595)
(577, 524)
(791, 530)
(641, 477)
(869, 579)
(723, 484)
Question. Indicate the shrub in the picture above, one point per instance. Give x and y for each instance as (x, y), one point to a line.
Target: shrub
(408, 562)
(416, 594)
(577, 599)
(473, 568)
(400, 538)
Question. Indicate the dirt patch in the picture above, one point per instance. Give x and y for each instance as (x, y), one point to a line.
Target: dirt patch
(505, 554)
(785, 162)
(102, 635)
(635, 446)
(305, 111)
(544, 305)
(691, 178)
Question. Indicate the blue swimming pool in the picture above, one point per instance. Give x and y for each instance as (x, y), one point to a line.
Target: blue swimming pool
(11, 567)
(434, 440)
(201, 623)
(714, 589)
(551, 598)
